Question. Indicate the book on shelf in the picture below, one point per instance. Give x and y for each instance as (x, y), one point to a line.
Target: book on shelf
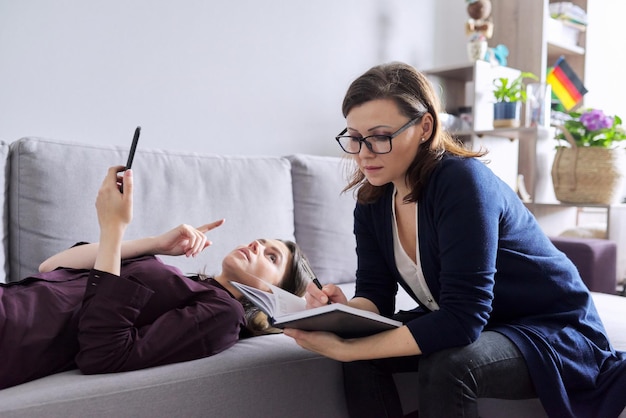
(286, 310)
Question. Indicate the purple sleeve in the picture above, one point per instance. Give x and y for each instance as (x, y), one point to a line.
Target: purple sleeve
(206, 324)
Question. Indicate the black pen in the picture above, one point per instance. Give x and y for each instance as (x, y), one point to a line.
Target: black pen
(315, 280)
(319, 286)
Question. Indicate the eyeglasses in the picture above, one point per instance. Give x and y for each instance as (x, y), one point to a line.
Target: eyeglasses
(378, 144)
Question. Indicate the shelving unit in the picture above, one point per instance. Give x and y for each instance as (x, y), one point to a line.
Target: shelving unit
(534, 44)
(535, 40)
(471, 85)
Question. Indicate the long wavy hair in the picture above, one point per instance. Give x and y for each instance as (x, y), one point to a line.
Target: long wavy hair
(415, 96)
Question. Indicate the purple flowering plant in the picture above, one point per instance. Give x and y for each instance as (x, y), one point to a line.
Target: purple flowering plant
(592, 128)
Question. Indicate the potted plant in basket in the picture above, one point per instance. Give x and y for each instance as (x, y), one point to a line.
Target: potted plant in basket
(509, 95)
(591, 166)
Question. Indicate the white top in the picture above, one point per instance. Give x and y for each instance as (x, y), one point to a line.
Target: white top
(411, 272)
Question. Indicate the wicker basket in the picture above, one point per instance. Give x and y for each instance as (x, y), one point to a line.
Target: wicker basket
(589, 174)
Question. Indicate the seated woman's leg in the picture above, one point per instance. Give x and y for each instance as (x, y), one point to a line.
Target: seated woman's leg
(370, 388)
(451, 381)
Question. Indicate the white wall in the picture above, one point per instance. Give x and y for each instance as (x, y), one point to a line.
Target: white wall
(604, 73)
(240, 76)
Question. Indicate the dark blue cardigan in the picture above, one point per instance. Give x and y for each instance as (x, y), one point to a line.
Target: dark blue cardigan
(489, 266)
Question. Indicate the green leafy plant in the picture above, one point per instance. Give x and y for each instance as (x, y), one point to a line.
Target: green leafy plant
(592, 128)
(507, 90)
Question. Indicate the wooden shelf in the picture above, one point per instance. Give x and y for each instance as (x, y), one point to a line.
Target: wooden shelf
(523, 133)
(516, 133)
(557, 48)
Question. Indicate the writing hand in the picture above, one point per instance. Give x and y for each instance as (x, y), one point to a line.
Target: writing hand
(317, 297)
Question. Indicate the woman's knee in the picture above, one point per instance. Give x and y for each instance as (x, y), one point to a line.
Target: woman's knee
(444, 369)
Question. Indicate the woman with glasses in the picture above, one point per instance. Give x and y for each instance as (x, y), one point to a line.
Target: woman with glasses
(502, 313)
(113, 306)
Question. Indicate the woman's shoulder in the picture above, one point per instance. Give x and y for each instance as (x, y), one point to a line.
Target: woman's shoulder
(454, 163)
(467, 178)
(465, 171)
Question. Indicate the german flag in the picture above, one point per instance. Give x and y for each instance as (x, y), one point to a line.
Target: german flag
(566, 85)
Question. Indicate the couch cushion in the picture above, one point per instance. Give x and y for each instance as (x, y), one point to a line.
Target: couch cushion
(54, 184)
(323, 215)
(612, 310)
(268, 376)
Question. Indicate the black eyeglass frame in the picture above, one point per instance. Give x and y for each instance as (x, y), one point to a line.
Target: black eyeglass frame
(368, 144)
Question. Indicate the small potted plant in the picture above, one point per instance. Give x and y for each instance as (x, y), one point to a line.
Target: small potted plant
(509, 95)
(591, 167)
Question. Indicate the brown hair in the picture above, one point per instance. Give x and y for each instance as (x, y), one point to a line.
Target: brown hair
(414, 95)
(295, 281)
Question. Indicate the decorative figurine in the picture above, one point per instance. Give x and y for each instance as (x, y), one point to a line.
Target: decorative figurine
(479, 27)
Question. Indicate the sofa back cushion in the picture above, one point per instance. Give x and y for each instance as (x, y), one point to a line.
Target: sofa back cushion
(324, 215)
(54, 184)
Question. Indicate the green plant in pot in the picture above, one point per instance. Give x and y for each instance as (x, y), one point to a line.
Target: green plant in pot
(509, 95)
(590, 167)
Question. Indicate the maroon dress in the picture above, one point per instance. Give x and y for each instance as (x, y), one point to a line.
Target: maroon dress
(152, 314)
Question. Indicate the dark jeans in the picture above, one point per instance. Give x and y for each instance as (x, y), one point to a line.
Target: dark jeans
(450, 381)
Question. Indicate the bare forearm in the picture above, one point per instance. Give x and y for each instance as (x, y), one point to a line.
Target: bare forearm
(396, 343)
(109, 255)
(84, 256)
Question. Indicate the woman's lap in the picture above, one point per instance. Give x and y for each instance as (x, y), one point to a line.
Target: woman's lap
(450, 381)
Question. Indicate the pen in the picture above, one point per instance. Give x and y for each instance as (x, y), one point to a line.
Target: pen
(315, 280)
(319, 286)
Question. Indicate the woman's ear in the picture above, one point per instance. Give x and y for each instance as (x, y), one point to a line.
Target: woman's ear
(427, 126)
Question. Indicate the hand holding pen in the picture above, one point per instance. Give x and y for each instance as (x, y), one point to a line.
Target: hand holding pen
(319, 286)
(315, 281)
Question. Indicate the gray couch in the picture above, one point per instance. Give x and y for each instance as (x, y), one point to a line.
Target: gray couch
(50, 189)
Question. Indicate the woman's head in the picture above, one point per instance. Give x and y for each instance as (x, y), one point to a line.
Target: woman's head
(279, 262)
(274, 261)
(380, 102)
